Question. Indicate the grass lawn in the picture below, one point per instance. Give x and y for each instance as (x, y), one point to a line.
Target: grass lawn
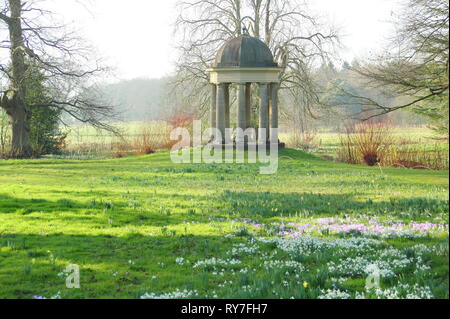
(144, 227)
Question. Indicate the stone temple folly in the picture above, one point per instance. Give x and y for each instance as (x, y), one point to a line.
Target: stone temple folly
(245, 61)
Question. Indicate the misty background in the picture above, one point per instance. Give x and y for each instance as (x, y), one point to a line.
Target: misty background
(143, 61)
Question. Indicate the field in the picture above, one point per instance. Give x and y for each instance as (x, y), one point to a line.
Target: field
(327, 143)
(143, 227)
(416, 144)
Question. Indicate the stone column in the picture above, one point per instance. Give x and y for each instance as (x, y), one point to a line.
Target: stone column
(274, 120)
(263, 112)
(213, 106)
(242, 109)
(220, 120)
(227, 107)
(248, 105)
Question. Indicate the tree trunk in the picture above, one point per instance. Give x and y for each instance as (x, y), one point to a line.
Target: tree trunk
(238, 8)
(268, 39)
(257, 18)
(18, 111)
(20, 117)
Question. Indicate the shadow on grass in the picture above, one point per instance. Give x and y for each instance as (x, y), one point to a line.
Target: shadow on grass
(267, 204)
(174, 209)
(163, 210)
(110, 266)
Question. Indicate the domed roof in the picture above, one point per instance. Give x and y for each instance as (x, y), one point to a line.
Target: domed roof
(245, 52)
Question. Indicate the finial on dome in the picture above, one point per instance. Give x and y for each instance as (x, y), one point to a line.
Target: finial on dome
(245, 31)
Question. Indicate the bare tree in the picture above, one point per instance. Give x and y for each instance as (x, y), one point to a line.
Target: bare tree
(37, 42)
(295, 37)
(415, 66)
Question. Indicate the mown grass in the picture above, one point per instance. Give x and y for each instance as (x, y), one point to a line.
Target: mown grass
(126, 221)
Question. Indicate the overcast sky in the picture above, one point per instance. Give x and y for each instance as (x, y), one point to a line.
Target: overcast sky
(136, 35)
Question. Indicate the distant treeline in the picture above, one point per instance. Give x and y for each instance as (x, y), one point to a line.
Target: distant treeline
(150, 99)
(138, 99)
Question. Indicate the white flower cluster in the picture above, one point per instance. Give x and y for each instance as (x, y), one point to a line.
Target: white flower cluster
(181, 261)
(441, 250)
(57, 296)
(177, 294)
(214, 295)
(226, 282)
(420, 249)
(285, 265)
(339, 280)
(242, 249)
(214, 262)
(421, 266)
(247, 288)
(402, 291)
(244, 271)
(334, 294)
(400, 259)
(362, 266)
(305, 245)
(392, 253)
(387, 262)
(438, 250)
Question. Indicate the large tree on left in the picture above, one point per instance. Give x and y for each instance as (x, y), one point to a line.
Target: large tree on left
(35, 39)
